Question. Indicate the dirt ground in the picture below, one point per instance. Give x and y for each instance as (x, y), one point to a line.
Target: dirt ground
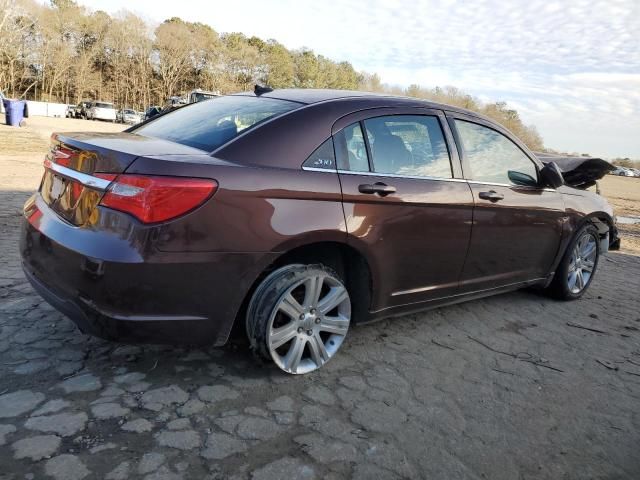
(516, 386)
(34, 137)
(624, 195)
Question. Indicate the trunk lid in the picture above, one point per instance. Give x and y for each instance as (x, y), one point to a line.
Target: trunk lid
(80, 166)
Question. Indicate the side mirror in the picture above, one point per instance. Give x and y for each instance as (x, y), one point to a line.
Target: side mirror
(551, 175)
(519, 178)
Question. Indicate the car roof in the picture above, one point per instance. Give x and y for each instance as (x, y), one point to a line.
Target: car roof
(308, 96)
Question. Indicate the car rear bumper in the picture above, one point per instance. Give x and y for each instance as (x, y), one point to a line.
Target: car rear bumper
(125, 291)
(132, 329)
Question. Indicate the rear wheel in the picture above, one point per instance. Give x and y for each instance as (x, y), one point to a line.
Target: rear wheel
(578, 266)
(299, 316)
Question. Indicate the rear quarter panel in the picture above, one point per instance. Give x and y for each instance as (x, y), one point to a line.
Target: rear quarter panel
(255, 209)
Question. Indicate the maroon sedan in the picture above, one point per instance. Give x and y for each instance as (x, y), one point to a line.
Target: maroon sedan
(295, 213)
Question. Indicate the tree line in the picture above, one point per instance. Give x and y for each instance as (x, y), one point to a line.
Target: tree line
(63, 52)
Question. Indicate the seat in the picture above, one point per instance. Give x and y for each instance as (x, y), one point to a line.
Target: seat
(390, 154)
(225, 131)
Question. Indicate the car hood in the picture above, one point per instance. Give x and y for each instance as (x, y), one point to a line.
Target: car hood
(579, 172)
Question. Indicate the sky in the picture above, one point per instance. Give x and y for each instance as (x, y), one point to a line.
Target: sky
(571, 68)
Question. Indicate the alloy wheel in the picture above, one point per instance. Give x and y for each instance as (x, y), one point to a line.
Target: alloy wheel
(309, 323)
(582, 262)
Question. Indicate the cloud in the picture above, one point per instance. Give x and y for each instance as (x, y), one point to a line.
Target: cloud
(578, 60)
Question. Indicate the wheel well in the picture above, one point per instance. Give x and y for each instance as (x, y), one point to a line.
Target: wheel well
(347, 262)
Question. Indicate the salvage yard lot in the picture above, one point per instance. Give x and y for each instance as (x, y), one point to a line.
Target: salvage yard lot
(514, 386)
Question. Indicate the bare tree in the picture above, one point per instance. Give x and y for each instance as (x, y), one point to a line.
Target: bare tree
(64, 52)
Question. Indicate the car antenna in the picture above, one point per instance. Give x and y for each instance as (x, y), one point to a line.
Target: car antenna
(259, 90)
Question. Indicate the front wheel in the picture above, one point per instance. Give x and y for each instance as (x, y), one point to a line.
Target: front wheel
(578, 266)
(299, 316)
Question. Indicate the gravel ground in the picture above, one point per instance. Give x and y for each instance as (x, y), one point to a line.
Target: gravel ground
(514, 386)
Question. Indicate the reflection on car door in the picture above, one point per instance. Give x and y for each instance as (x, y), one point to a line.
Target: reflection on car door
(403, 204)
(517, 224)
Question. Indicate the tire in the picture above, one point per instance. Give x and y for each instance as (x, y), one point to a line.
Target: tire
(570, 280)
(298, 317)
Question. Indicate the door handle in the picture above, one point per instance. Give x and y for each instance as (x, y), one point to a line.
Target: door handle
(491, 195)
(380, 188)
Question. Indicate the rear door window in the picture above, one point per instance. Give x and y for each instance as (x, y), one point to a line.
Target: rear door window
(405, 145)
(409, 145)
(351, 151)
(209, 125)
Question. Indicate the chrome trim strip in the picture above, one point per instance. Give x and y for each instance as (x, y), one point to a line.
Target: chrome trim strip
(491, 183)
(325, 170)
(394, 175)
(83, 178)
(511, 185)
(415, 177)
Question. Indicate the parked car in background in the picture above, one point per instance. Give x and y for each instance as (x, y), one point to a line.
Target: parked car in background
(623, 172)
(199, 95)
(152, 112)
(129, 116)
(173, 102)
(81, 110)
(71, 111)
(101, 111)
(297, 213)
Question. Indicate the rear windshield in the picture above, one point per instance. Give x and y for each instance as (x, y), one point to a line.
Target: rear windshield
(104, 105)
(208, 125)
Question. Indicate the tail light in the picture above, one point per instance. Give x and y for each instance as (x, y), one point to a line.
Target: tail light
(153, 199)
(62, 156)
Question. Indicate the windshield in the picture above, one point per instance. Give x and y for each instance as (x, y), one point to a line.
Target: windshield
(208, 125)
(129, 112)
(103, 105)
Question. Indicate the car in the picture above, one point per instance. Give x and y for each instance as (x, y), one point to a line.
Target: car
(295, 214)
(71, 111)
(2, 97)
(173, 103)
(199, 95)
(127, 115)
(623, 172)
(101, 111)
(81, 110)
(152, 112)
